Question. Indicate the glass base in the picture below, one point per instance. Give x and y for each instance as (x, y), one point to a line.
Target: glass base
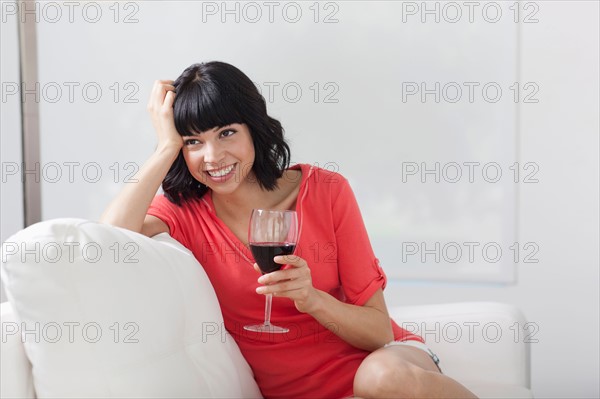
(268, 328)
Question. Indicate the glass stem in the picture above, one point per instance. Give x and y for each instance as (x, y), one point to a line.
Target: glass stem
(268, 301)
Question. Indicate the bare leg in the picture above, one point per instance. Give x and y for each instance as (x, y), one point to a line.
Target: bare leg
(404, 372)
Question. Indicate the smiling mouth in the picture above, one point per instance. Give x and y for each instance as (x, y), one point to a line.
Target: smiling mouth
(220, 172)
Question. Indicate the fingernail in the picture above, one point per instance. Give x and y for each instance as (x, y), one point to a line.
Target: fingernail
(260, 290)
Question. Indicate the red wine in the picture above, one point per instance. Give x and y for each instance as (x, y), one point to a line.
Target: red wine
(265, 252)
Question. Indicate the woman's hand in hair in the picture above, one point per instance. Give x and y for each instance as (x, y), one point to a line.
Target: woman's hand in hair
(160, 107)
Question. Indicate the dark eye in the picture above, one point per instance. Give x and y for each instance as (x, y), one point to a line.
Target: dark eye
(227, 133)
(191, 142)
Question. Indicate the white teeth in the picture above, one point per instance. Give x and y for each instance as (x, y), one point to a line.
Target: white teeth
(220, 172)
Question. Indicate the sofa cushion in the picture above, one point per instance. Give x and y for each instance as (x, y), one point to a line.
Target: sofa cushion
(494, 390)
(106, 312)
(480, 334)
(15, 367)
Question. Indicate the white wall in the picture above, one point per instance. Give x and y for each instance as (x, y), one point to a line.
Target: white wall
(368, 54)
(338, 84)
(11, 194)
(560, 293)
(11, 204)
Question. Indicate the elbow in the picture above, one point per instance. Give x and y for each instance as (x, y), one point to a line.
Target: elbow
(386, 335)
(109, 219)
(106, 220)
(117, 222)
(383, 336)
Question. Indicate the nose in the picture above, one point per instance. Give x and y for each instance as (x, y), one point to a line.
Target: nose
(213, 153)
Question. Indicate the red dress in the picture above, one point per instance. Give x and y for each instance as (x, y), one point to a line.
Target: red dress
(309, 361)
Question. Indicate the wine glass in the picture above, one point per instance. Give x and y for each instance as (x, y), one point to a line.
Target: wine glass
(271, 233)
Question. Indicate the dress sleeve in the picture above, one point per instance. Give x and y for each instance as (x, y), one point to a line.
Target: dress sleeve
(169, 213)
(359, 269)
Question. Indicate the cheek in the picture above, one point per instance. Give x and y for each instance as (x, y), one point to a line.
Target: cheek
(249, 149)
(192, 158)
(250, 153)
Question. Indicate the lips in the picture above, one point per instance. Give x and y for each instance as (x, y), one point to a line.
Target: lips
(221, 174)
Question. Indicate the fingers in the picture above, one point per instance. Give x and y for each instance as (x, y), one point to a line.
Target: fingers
(292, 260)
(282, 289)
(169, 99)
(300, 291)
(294, 283)
(282, 275)
(160, 108)
(298, 267)
(295, 277)
(159, 94)
(286, 289)
(164, 84)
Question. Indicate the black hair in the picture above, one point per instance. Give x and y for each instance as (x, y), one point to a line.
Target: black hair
(212, 95)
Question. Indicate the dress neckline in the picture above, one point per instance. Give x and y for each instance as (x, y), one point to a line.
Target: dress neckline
(234, 241)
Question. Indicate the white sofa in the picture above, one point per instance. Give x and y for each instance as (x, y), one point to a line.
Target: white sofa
(160, 328)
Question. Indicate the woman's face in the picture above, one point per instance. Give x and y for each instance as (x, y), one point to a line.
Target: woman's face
(220, 158)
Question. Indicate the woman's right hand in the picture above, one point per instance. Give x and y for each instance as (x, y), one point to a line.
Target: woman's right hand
(160, 107)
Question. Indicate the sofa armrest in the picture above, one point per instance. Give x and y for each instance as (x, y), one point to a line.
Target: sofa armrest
(477, 342)
(148, 306)
(17, 381)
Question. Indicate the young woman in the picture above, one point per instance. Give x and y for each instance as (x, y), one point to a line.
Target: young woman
(219, 156)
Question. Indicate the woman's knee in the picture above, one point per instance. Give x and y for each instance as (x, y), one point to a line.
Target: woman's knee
(383, 377)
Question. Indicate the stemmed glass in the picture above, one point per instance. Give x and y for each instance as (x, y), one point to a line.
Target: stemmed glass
(271, 233)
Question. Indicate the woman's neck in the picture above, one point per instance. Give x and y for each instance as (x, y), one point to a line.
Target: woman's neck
(251, 195)
(240, 202)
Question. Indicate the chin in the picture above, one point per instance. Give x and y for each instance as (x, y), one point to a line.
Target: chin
(223, 190)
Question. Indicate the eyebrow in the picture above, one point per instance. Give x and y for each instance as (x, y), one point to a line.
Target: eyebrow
(216, 129)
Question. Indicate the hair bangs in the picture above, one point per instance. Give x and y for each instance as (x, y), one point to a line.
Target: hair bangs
(201, 108)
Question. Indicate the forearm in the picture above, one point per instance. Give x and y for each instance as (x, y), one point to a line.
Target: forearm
(364, 327)
(129, 208)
